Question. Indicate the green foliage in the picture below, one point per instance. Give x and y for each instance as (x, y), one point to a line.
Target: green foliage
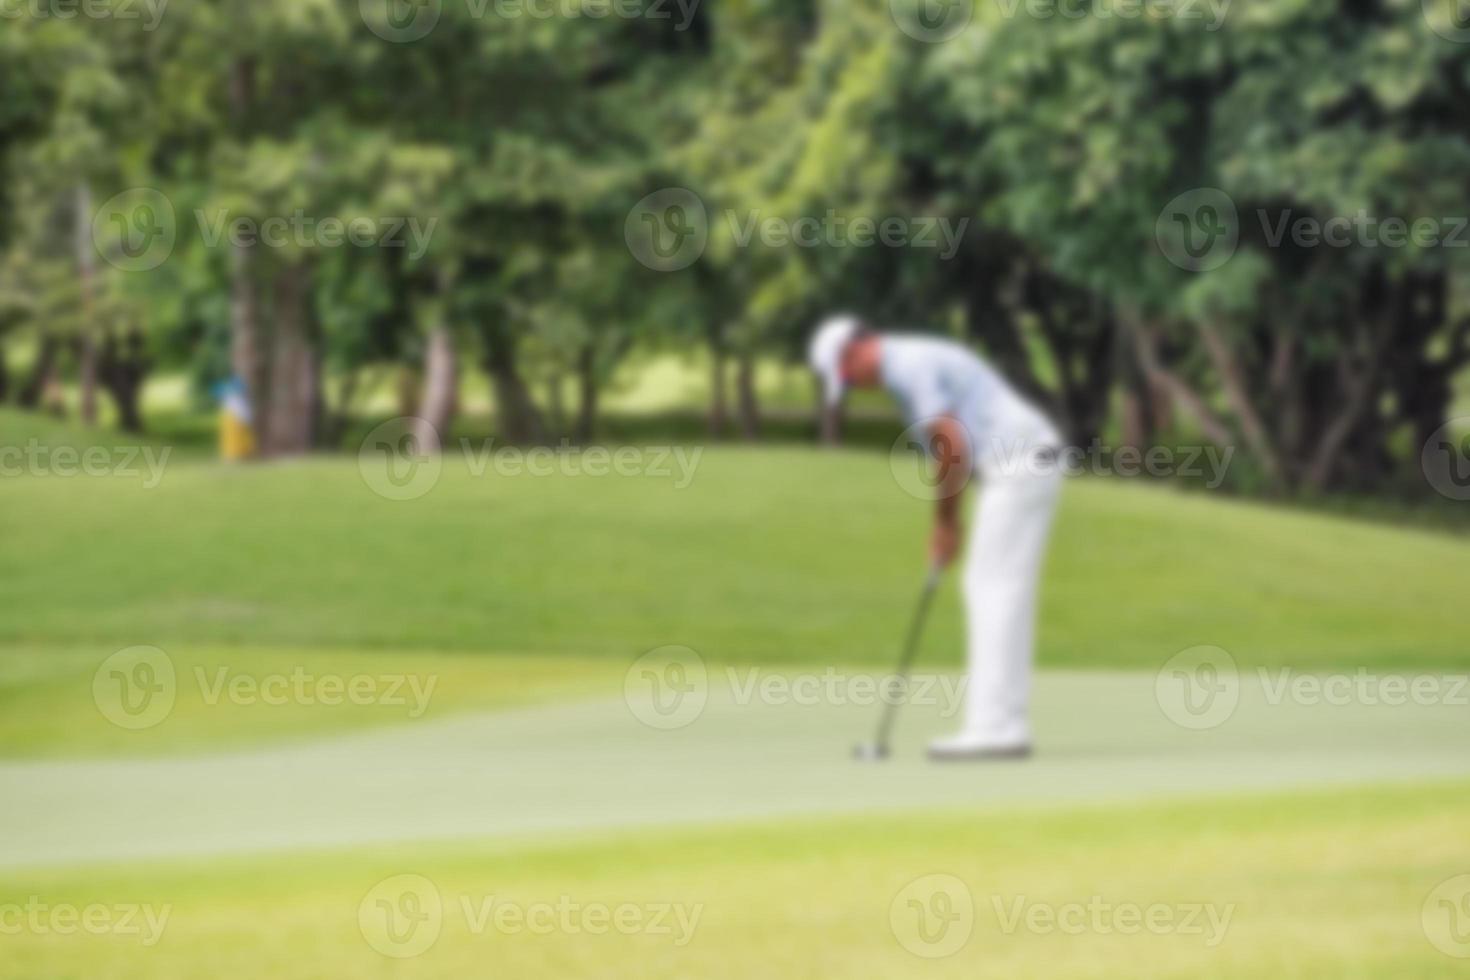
(526, 141)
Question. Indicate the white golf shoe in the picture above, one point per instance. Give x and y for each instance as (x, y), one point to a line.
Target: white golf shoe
(981, 747)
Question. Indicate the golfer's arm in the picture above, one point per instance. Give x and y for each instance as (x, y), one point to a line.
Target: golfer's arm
(951, 448)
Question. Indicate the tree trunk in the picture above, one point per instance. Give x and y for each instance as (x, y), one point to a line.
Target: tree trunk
(1358, 373)
(587, 394)
(242, 94)
(556, 402)
(247, 356)
(719, 402)
(42, 374)
(1098, 373)
(1161, 406)
(122, 373)
(1133, 422)
(749, 402)
(1324, 460)
(1176, 389)
(87, 378)
(1136, 418)
(294, 398)
(1079, 330)
(87, 279)
(515, 411)
(245, 351)
(440, 398)
(1232, 380)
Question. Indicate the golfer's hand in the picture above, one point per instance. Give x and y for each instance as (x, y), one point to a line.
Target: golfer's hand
(944, 546)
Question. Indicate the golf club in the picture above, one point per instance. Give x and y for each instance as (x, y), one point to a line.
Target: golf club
(877, 750)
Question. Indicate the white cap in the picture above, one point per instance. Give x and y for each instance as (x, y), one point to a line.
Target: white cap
(825, 353)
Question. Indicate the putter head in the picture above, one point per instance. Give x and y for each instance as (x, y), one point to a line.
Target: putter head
(870, 752)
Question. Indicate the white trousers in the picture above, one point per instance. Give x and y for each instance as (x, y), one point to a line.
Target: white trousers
(1002, 579)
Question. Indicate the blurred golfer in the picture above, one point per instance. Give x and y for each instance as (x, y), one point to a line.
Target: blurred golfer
(974, 424)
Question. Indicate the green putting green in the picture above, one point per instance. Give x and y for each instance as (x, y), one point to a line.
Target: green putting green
(743, 744)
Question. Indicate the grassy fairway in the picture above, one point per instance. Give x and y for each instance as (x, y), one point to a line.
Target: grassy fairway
(779, 556)
(1299, 886)
(518, 591)
(768, 555)
(47, 708)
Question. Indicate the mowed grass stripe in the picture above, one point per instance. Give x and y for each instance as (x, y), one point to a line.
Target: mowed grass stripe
(1314, 885)
(770, 555)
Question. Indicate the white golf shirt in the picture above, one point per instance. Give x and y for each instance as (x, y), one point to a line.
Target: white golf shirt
(932, 377)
